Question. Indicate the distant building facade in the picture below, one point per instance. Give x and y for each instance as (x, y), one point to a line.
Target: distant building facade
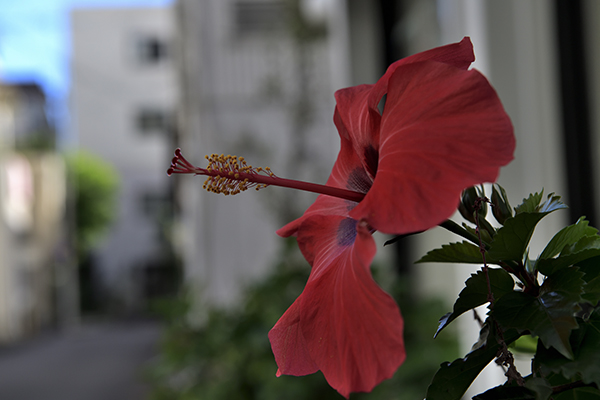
(32, 218)
(124, 92)
(23, 114)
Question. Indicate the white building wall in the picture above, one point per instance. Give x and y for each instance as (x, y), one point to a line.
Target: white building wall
(111, 84)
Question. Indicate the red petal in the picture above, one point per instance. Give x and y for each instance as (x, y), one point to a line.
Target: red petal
(443, 130)
(459, 55)
(357, 120)
(347, 173)
(289, 347)
(356, 115)
(352, 328)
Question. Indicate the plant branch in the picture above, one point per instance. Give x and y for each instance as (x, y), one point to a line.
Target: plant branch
(571, 386)
(504, 356)
(460, 231)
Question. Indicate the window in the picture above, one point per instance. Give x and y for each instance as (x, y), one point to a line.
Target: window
(259, 16)
(156, 204)
(153, 120)
(151, 50)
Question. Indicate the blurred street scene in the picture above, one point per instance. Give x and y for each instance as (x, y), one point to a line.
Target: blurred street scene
(97, 361)
(92, 229)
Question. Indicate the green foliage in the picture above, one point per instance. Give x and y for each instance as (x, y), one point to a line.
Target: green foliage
(463, 252)
(585, 362)
(549, 315)
(552, 300)
(95, 184)
(453, 379)
(475, 293)
(229, 355)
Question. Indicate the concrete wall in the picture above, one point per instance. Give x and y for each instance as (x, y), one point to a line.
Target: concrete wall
(119, 70)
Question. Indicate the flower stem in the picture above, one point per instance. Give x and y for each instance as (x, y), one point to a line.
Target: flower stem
(231, 175)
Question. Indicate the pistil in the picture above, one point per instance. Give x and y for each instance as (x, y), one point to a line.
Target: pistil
(231, 175)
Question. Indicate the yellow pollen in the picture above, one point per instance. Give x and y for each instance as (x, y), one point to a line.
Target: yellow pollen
(226, 174)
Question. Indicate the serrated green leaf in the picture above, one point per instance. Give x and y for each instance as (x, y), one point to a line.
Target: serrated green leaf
(475, 293)
(540, 387)
(591, 270)
(592, 291)
(512, 239)
(486, 238)
(507, 393)
(530, 204)
(529, 264)
(578, 393)
(567, 237)
(585, 248)
(534, 389)
(463, 252)
(550, 315)
(525, 344)
(552, 204)
(452, 380)
(585, 364)
(582, 393)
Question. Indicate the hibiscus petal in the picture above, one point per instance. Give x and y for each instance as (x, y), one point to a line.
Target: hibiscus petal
(352, 328)
(357, 116)
(443, 129)
(347, 173)
(459, 55)
(359, 123)
(288, 344)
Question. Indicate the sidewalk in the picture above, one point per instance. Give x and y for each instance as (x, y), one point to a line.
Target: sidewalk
(98, 361)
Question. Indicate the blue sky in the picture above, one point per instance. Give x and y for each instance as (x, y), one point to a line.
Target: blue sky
(34, 40)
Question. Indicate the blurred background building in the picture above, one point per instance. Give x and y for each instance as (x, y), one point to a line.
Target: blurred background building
(32, 203)
(256, 78)
(123, 101)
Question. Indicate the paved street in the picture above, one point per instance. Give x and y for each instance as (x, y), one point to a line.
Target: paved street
(99, 361)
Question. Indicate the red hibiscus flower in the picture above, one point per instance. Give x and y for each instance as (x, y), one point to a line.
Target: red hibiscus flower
(442, 129)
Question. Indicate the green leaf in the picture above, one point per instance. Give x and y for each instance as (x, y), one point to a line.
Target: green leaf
(552, 204)
(476, 291)
(452, 380)
(582, 393)
(463, 252)
(512, 239)
(591, 269)
(585, 248)
(507, 393)
(568, 236)
(530, 204)
(525, 344)
(550, 315)
(537, 389)
(585, 364)
(540, 387)
(534, 389)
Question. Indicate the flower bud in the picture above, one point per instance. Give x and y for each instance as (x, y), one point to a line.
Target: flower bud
(500, 205)
(466, 207)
